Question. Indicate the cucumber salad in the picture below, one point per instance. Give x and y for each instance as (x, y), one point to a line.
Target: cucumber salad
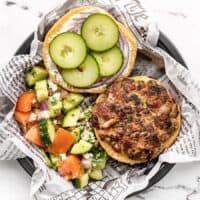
(54, 120)
(85, 58)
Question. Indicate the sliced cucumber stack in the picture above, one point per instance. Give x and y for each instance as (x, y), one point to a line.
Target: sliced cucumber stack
(84, 76)
(68, 50)
(109, 61)
(100, 32)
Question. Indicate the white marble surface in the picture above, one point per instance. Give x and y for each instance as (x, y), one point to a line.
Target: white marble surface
(178, 19)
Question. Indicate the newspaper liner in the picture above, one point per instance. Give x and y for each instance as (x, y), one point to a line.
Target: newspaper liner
(120, 179)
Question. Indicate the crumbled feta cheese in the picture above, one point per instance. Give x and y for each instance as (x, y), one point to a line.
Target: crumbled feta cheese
(56, 96)
(86, 163)
(88, 155)
(43, 114)
(88, 136)
(87, 160)
(55, 121)
(52, 85)
(63, 156)
(33, 101)
(33, 117)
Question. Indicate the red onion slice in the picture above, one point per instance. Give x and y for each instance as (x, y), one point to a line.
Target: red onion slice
(44, 105)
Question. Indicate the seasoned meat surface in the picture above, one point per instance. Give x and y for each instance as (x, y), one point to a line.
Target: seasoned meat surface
(135, 117)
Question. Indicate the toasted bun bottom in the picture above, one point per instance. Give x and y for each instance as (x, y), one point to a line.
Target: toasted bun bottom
(55, 30)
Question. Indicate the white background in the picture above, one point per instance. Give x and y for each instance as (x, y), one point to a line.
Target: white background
(178, 19)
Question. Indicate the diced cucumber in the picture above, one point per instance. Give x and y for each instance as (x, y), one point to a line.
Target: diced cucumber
(81, 147)
(96, 174)
(84, 76)
(109, 61)
(48, 160)
(54, 159)
(82, 181)
(41, 90)
(100, 32)
(55, 106)
(99, 160)
(71, 101)
(77, 133)
(29, 79)
(71, 118)
(36, 74)
(68, 50)
(47, 131)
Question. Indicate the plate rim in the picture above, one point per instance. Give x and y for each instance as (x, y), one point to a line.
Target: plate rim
(165, 43)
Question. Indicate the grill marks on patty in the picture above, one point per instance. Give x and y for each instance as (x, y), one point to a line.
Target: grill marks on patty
(135, 117)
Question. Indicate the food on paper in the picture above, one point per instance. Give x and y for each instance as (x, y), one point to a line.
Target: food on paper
(133, 119)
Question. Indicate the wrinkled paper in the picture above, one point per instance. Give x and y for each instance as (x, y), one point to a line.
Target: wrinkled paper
(120, 180)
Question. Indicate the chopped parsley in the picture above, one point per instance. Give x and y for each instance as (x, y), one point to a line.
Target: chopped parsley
(53, 100)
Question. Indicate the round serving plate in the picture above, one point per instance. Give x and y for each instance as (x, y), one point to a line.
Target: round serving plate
(163, 43)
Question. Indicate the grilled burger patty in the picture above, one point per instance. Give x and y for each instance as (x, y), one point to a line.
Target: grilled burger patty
(136, 119)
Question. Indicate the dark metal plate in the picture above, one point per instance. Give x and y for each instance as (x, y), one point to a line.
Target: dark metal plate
(163, 43)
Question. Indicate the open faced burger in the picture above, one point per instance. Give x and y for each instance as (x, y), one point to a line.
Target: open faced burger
(87, 49)
(136, 119)
(133, 120)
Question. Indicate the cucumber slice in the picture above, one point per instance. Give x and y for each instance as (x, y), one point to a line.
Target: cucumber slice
(41, 90)
(55, 106)
(84, 76)
(109, 61)
(100, 32)
(81, 147)
(36, 74)
(96, 174)
(47, 131)
(82, 181)
(71, 118)
(68, 50)
(71, 101)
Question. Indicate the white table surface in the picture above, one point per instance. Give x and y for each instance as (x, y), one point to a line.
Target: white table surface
(178, 19)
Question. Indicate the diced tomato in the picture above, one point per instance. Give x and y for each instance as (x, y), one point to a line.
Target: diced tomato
(22, 117)
(25, 101)
(71, 167)
(62, 142)
(33, 136)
